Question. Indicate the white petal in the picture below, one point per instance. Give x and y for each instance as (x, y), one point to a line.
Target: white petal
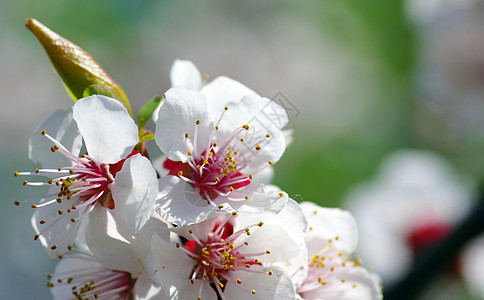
(179, 203)
(184, 74)
(343, 283)
(473, 266)
(106, 238)
(108, 130)
(145, 289)
(265, 176)
(261, 198)
(265, 119)
(333, 224)
(63, 233)
(67, 265)
(192, 291)
(62, 127)
(167, 265)
(275, 286)
(282, 234)
(177, 116)
(223, 90)
(135, 189)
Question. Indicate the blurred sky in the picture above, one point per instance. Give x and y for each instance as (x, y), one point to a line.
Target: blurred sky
(355, 73)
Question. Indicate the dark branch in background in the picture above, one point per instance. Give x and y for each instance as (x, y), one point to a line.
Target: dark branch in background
(437, 258)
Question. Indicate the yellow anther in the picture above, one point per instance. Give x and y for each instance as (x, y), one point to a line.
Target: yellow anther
(246, 127)
(16, 174)
(281, 194)
(34, 206)
(214, 144)
(268, 252)
(189, 153)
(226, 108)
(260, 224)
(41, 222)
(197, 122)
(253, 292)
(251, 176)
(216, 127)
(234, 213)
(246, 197)
(25, 182)
(268, 135)
(43, 132)
(231, 188)
(269, 273)
(270, 162)
(220, 206)
(343, 280)
(241, 139)
(239, 281)
(247, 266)
(16, 203)
(258, 147)
(221, 285)
(180, 173)
(186, 135)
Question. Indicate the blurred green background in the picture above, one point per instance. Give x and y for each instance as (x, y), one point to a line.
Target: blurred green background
(361, 75)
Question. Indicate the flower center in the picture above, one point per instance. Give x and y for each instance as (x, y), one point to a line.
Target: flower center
(86, 180)
(325, 272)
(421, 237)
(212, 175)
(219, 170)
(94, 283)
(217, 258)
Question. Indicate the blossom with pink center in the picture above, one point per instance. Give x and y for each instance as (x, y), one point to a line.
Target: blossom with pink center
(109, 176)
(217, 141)
(111, 267)
(332, 274)
(413, 202)
(238, 256)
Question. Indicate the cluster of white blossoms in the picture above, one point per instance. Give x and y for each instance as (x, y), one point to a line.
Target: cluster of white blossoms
(203, 222)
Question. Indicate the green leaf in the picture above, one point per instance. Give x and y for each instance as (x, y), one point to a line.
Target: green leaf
(146, 111)
(97, 89)
(77, 69)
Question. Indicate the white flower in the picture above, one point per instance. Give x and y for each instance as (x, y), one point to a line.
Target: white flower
(331, 239)
(239, 256)
(111, 268)
(217, 141)
(110, 176)
(414, 201)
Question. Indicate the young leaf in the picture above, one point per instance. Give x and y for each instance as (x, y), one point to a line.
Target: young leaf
(146, 111)
(77, 69)
(98, 89)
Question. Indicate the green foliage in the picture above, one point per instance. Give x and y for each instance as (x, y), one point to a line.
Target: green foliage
(99, 89)
(146, 111)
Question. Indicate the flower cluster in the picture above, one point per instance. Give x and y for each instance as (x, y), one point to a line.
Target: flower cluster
(201, 222)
